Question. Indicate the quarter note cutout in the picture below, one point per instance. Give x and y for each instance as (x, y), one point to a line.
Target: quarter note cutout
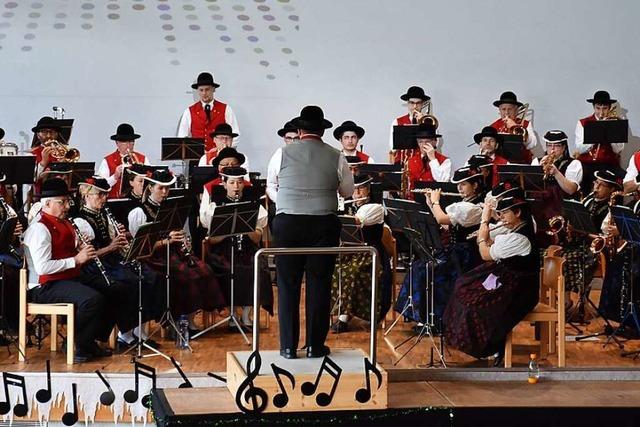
(131, 396)
(21, 409)
(334, 371)
(363, 395)
(70, 418)
(107, 397)
(249, 393)
(44, 394)
(281, 399)
(186, 383)
(217, 377)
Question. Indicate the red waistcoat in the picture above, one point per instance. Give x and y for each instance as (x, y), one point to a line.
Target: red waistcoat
(63, 245)
(210, 155)
(497, 161)
(499, 125)
(403, 121)
(598, 153)
(636, 160)
(362, 156)
(419, 171)
(113, 161)
(200, 127)
(218, 181)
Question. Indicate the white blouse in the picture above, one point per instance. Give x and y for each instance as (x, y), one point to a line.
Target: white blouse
(370, 214)
(509, 245)
(464, 214)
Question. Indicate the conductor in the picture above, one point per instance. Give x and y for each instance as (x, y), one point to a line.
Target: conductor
(308, 175)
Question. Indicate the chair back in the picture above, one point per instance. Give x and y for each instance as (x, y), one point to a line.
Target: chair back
(552, 269)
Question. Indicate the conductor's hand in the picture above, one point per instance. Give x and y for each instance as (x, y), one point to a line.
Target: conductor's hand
(176, 236)
(86, 254)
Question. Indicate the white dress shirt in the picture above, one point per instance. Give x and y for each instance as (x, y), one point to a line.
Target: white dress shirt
(573, 172)
(103, 171)
(37, 244)
(184, 126)
(632, 171)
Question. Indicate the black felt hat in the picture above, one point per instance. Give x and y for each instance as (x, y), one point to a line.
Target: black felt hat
(288, 127)
(480, 161)
(555, 137)
(490, 132)
(426, 130)
(609, 176)
(162, 177)
(510, 202)
(507, 98)
(138, 169)
(360, 180)
(54, 187)
(466, 173)
(204, 79)
(346, 127)
(1, 133)
(602, 97)
(46, 122)
(415, 92)
(223, 129)
(311, 117)
(225, 153)
(125, 132)
(233, 172)
(96, 182)
(504, 186)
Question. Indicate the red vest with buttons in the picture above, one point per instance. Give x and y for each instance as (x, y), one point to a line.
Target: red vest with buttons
(421, 171)
(499, 125)
(218, 181)
(63, 245)
(210, 155)
(497, 161)
(403, 121)
(363, 157)
(598, 153)
(113, 161)
(201, 127)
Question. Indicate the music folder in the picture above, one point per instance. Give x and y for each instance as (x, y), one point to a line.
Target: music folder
(606, 132)
(79, 171)
(576, 214)
(120, 209)
(513, 148)
(529, 177)
(385, 177)
(627, 222)
(18, 169)
(182, 148)
(404, 137)
(234, 219)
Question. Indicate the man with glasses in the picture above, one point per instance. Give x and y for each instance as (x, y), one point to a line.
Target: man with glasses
(416, 101)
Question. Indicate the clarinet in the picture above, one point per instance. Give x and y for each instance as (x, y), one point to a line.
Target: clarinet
(238, 237)
(114, 224)
(10, 215)
(96, 259)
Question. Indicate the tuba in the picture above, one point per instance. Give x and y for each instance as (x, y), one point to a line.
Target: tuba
(62, 152)
(519, 129)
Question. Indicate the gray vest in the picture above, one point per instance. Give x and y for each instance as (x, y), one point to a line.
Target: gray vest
(308, 179)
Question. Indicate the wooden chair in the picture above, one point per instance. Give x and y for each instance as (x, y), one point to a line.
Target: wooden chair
(550, 309)
(389, 243)
(53, 310)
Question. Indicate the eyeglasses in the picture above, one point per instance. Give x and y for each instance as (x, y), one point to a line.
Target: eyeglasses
(289, 138)
(63, 202)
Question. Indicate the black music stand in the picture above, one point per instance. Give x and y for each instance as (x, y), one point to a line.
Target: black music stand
(513, 148)
(628, 225)
(183, 149)
(6, 235)
(385, 177)
(200, 175)
(80, 171)
(121, 208)
(233, 220)
(19, 170)
(529, 177)
(404, 137)
(606, 132)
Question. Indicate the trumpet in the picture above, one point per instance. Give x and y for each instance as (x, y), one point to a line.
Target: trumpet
(62, 152)
(519, 129)
(99, 264)
(130, 158)
(474, 234)
(113, 225)
(546, 162)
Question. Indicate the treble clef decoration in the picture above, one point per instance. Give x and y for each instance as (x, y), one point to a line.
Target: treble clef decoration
(247, 392)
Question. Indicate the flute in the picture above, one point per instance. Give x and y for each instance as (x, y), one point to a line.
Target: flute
(428, 190)
(474, 234)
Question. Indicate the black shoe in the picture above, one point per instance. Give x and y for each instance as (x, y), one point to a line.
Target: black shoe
(318, 351)
(98, 351)
(339, 327)
(289, 353)
(498, 362)
(82, 356)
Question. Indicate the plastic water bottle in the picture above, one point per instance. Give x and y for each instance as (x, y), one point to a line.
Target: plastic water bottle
(534, 369)
(182, 339)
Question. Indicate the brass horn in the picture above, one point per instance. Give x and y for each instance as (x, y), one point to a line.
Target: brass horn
(62, 152)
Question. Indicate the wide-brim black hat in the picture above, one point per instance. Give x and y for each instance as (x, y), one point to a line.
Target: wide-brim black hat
(58, 168)
(311, 117)
(466, 173)
(162, 177)
(602, 97)
(3, 177)
(288, 127)
(233, 172)
(96, 182)
(480, 161)
(54, 187)
(489, 132)
(555, 137)
(610, 177)
(204, 79)
(225, 153)
(360, 180)
(510, 202)
(500, 189)
(138, 169)
(1, 133)
(46, 123)
(223, 129)
(125, 132)
(507, 98)
(426, 131)
(415, 92)
(346, 127)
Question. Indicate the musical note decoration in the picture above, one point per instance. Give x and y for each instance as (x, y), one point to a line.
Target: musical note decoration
(186, 383)
(333, 370)
(20, 409)
(131, 396)
(281, 399)
(363, 395)
(44, 394)
(217, 377)
(248, 392)
(70, 418)
(107, 397)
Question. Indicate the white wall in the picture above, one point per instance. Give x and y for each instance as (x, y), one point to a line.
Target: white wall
(355, 57)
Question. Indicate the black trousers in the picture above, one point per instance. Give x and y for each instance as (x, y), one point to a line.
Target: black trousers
(305, 231)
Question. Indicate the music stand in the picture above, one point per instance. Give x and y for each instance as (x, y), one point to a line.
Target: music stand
(404, 137)
(529, 177)
(606, 132)
(628, 225)
(80, 171)
(183, 149)
(200, 175)
(6, 235)
(513, 148)
(121, 208)
(19, 170)
(232, 220)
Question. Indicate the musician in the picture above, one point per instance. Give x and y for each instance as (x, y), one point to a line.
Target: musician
(62, 171)
(10, 263)
(228, 158)
(607, 181)
(45, 130)
(598, 155)
(193, 286)
(563, 175)
(288, 133)
(458, 256)
(508, 106)
(490, 142)
(307, 177)
(428, 164)
(244, 247)
(201, 118)
(113, 165)
(416, 101)
(351, 283)
(51, 246)
(222, 138)
(349, 134)
(94, 223)
(135, 177)
(490, 300)
(632, 176)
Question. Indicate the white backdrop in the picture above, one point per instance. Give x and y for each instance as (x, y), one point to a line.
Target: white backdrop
(111, 61)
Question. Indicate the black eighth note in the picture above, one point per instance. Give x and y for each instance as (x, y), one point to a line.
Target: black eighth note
(70, 418)
(131, 396)
(21, 409)
(363, 395)
(333, 370)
